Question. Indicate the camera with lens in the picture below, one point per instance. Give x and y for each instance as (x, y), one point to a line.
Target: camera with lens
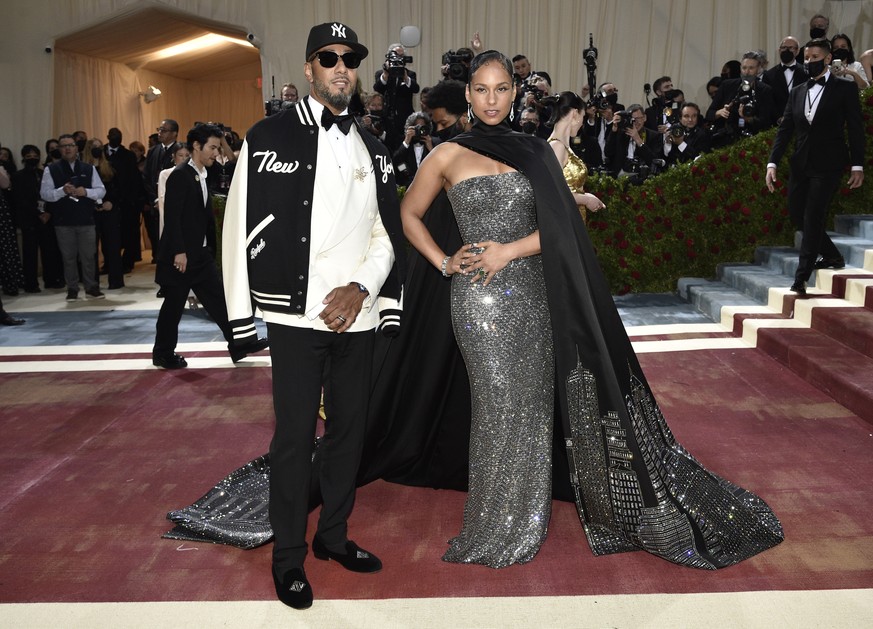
(746, 97)
(678, 131)
(671, 106)
(375, 123)
(602, 100)
(529, 86)
(422, 131)
(457, 65)
(275, 105)
(395, 63)
(625, 119)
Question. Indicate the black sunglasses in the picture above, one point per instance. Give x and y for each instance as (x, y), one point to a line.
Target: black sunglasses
(328, 59)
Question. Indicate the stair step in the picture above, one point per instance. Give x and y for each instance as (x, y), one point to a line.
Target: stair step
(710, 296)
(839, 371)
(753, 280)
(853, 327)
(858, 225)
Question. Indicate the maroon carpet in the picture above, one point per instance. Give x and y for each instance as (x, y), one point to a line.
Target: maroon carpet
(93, 461)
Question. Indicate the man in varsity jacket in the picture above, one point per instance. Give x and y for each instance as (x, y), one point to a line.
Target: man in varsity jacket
(312, 236)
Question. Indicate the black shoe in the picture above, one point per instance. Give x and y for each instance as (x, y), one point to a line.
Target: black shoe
(799, 288)
(160, 293)
(169, 362)
(830, 263)
(355, 558)
(72, 295)
(293, 588)
(238, 353)
(95, 293)
(116, 286)
(7, 319)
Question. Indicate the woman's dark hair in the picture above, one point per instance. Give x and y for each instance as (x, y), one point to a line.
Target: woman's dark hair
(201, 134)
(733, 68)
(30, 148)
(487, 57)
(181, 146)
(562, 104)
(851, 58)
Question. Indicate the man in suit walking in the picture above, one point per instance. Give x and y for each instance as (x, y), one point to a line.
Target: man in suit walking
(312, 235)
(818, 114)
(186, 256)
(160, 157)
(787, 74)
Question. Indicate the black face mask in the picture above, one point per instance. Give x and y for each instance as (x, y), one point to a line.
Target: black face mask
(814, 68)
(841, 53)
(816, 33)
(96, 152)
(448, 133)
(529, 127)
(786, 56)
(55, 153)
(31, 162)
(80, 145)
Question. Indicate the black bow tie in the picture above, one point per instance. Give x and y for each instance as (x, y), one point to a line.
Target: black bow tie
(343, 123)
(812, 82)
(784, 67)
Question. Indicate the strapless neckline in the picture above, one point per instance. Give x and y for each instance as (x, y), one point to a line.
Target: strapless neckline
(476, 177)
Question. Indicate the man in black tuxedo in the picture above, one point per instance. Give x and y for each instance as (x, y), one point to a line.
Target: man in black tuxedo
(785, 76)
(630, 144)
(130, 189)
(686, 140)
(186, 257)
(417, 143)
(160, 157)
(729, 110)
(818, 114)
(397, 84)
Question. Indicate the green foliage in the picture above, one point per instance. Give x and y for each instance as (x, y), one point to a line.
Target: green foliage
(685, 221)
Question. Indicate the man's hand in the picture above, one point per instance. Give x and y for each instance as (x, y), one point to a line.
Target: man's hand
(342, 306)
(856, 179)
(771, 179)
(724, 112)
(180, 262)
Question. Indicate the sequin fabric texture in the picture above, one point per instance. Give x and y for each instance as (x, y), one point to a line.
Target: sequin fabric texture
(233, 512)
(504, 333)
(694, 518)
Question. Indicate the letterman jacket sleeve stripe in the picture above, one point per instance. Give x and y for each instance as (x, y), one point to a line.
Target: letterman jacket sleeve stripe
(234, 265)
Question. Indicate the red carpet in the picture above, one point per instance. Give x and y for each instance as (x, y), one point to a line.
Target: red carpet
(93, 461)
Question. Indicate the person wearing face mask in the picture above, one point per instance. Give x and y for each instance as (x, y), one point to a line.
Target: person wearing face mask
(847, 69)
(71, 190)
(530, 121)
(107, 218)
(448, 109)
(80, 138)
(819, 115)
(37, 232)
(787, 74)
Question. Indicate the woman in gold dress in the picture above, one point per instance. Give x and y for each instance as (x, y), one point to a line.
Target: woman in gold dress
(568, 114)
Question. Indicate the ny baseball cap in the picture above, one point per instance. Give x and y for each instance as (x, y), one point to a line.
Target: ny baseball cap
(334, 33)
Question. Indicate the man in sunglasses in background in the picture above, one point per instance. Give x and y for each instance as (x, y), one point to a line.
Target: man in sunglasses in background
(312, 236)
(160, 157)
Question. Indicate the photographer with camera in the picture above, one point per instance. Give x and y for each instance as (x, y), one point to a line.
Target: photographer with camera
(744, 106)
(397, 84)
(417, 143)
(373, 119)
(666, 104)
(632, 149)
(529, 86)
(686, 139)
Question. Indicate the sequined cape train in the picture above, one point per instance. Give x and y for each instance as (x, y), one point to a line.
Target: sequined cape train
(635, 487)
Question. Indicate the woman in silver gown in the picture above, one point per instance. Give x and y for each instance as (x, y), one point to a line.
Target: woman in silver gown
(531, 318)
(554, 384)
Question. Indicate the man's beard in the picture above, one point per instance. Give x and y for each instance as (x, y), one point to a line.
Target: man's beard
(339, 101)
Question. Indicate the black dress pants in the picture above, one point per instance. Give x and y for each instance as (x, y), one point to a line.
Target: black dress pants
(304, 360)
(809, 197)
(205, 281)
(108, 224)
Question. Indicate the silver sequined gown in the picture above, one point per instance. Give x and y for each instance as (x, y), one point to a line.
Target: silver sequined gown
(504, 333)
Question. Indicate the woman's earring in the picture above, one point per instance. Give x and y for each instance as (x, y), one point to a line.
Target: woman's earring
(470, 115)
(511, 114)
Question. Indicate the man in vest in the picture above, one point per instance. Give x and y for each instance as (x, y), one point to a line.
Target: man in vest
(72, 190)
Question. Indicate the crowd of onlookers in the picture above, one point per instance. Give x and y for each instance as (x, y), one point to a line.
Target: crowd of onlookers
(79, 193)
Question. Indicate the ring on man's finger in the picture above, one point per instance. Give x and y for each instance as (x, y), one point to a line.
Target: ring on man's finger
(341, 318)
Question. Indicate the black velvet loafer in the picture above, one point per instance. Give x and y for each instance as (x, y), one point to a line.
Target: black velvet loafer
(355, 558)
(799, 288)
(293, 588)
(830, 263)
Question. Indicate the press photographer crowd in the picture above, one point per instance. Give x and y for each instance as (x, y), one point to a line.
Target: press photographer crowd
(73, 193)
